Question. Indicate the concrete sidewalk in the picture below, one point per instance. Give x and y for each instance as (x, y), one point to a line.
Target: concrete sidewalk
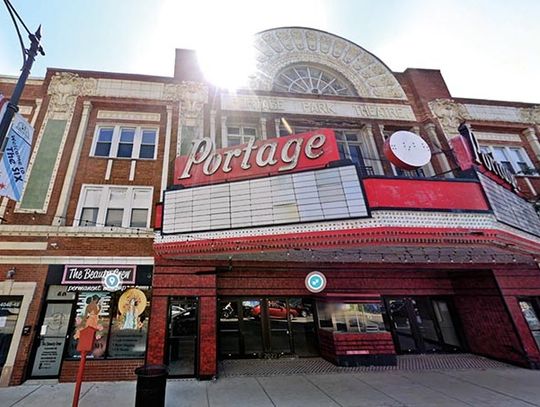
(491, 387)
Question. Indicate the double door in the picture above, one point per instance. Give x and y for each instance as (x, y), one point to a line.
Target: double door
(266, 327)
(422, 325)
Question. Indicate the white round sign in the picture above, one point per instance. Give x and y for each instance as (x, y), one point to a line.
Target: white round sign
(112, 282)
(315, 282)
(407, 150)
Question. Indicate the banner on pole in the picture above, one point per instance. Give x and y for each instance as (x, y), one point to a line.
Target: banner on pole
(15, 158)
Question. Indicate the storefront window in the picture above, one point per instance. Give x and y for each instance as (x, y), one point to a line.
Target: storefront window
(121, 320)
(343, 317)
(532, 319)
(9, 312)
(93, 309)
(130, 324)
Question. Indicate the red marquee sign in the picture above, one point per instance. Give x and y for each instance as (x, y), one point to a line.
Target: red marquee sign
(298, 152)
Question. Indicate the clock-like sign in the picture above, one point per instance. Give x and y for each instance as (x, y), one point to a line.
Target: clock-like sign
(407, 150)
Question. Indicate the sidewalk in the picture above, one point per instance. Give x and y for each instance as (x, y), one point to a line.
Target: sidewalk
(440, 388)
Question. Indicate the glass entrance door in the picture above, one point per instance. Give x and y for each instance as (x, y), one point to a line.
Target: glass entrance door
(52, 340)
(9, 313)
(182, 340)
(266, 327)
(422, 325)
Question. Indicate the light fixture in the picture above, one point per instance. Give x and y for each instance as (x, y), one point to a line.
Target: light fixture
(11, 273)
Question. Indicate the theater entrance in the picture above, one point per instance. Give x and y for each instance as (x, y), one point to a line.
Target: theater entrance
(266, 327)
(422, 325)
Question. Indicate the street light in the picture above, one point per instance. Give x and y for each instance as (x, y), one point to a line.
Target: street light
(35, 47)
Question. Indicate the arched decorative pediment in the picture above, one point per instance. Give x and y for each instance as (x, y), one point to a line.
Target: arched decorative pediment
(280, 48)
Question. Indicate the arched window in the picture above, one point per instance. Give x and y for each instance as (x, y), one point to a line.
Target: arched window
(311, 79)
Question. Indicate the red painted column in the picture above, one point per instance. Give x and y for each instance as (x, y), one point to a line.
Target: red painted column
(157, 331)
(208, 337)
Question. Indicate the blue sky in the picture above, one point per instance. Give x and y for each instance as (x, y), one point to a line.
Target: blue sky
(485, 49)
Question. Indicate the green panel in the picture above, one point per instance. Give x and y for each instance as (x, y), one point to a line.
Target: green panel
(188, 135)
(40, 177)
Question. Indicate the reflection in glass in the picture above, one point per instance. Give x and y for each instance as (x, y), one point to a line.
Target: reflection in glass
(532, 319)
(183, 336)
(343, 317)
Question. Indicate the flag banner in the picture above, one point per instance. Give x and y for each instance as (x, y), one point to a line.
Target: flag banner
(15, 158)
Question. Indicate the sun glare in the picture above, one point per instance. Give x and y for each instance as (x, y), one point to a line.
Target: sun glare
(228, 61)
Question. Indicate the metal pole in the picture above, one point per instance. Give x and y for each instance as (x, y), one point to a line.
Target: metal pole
(12, 106)
(80, 374)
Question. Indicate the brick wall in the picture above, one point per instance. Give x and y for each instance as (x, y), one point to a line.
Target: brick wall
(515, 284)
(101, 370)
(333, 345)
(487, 325)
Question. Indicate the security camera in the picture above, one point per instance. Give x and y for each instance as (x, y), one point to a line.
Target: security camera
(10, 273)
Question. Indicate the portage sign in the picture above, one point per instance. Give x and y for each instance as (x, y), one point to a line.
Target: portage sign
(205, 165)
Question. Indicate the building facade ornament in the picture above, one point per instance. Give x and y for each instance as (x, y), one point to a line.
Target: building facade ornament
(192, 97)
(282, 47)
(531, 115)
(64, 89)
(450, 115)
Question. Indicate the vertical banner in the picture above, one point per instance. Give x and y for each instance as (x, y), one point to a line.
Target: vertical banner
(15, 158)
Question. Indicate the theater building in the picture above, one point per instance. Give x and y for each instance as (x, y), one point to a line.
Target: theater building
(287, 222)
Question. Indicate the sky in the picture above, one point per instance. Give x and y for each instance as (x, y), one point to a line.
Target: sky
(484, 49)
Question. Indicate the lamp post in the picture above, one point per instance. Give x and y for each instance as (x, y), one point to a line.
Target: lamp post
(12, 106)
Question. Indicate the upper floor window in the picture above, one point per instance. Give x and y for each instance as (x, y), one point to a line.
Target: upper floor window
(115, 206)
(125, 142)
(312, 80)
(237, 135)
(515, 159)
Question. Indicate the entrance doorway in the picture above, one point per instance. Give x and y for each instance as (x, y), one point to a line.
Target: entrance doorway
(266, 327)
(422, 325)
(52, 339)
(182, 336)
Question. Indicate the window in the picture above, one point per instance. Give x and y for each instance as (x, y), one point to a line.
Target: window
(352, 144)
(530, 315)
(515, 159)
(114, 206)
(125, 142)
(121, 319)
(104, 141)
(237, 135)
(343, 317)
(312, 80)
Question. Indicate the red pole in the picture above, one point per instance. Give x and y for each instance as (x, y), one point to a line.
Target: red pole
(79, 379)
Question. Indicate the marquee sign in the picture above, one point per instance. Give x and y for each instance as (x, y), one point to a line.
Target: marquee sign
(262, 158)
(309, 196)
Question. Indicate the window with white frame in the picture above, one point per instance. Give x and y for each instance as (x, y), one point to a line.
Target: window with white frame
(125, 142)
(240, 134)
(312, 79)
(515, 159)
(114, 206)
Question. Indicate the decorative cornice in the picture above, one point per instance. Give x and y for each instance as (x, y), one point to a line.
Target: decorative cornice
(450, 114)
(64, 89)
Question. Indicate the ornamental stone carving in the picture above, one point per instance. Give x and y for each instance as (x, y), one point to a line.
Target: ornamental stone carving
(282, 47)
(64, 89)
(192, 97)
(450, 115)
(531, 115)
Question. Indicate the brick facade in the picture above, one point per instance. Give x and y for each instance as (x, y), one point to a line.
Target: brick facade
(433, 242)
